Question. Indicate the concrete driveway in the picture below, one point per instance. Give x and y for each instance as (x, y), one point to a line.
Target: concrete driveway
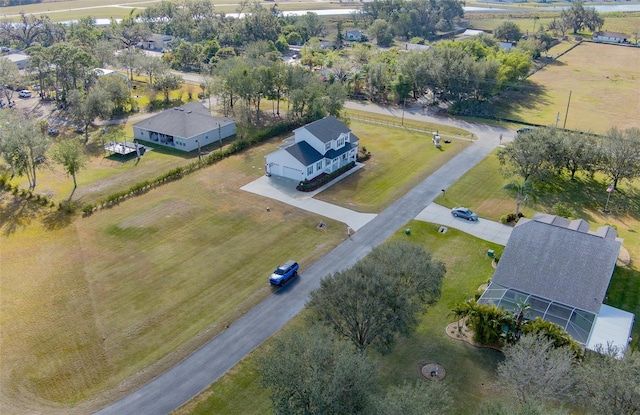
(284, 190)
(484, 229)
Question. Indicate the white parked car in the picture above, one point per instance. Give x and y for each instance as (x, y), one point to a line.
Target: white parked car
(24, 93)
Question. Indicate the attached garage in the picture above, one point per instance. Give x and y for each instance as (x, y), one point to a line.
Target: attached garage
(291, 173)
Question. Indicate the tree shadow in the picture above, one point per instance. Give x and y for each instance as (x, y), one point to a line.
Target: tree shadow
(511, 102)
(57, 219)
(16, 213)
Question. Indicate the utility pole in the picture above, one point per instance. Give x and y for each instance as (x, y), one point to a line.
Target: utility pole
(404, 102)
(567, 113)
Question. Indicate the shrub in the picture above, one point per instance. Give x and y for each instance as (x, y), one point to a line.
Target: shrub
(319, 181)
(564, 210)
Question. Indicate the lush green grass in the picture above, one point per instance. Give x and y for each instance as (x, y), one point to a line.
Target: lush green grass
(470, 370)
(482, 190)
(401, 159)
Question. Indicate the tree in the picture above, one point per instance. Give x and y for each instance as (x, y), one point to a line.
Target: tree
(619, 153)
(70, 155)
(525, 156)
(576, 152)
(307, 371)
(535, 371)
(381, 32)
(167, 82)
(22, 146)
(525, 191)
(10, 78)
(29, 29)
(508, 31)
(607, 384)
(380, 296)
(425, 398)
(528, 408)
(151, 66)
(577, 17)
(339, 42)
(85, 107)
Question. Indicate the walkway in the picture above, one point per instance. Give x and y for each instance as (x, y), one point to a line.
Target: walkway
(195, 373)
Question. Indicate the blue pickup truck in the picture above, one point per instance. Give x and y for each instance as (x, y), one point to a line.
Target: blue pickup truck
(284, 273)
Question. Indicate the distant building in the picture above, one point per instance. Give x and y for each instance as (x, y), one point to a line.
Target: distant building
(356, 36)
(108, 72)
(611, 37)
(156, 42)
(21, 60)
(184, 128)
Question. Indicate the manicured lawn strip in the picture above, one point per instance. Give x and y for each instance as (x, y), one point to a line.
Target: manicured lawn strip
(481, 190)
(400, 160)
(470, 370)
(104, 297)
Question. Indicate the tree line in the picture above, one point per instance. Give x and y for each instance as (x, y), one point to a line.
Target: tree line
(538, 155)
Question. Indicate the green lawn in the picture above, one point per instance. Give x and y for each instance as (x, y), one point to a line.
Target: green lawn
(142, 284)
(470, 370)
(401, 158)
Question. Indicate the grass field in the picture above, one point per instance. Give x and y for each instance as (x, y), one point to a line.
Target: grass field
(126, 292)
(604, 84)
(470, 370)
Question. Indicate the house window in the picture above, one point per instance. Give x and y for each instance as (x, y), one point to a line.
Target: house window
(319, 165)
(340, 142)
(327, 162)
(327, 146)
(309, 170)
(344, 156)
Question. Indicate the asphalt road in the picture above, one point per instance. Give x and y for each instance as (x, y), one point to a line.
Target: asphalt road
(195, 373)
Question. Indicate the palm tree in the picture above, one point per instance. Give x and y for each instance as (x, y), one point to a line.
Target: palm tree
(525, 192)
(461, 311)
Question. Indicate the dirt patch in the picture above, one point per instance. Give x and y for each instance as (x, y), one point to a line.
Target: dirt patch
(164, 210)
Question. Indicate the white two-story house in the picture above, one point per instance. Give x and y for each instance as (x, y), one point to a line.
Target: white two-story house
(321, 147)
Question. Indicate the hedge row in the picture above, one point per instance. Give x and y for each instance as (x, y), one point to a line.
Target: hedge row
(178, 172)
(316, 183)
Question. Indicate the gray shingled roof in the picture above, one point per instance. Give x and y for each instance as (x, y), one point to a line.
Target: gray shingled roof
(304, 153)
(185, 121)
(327, 129)
(547, 258)
(331, 154)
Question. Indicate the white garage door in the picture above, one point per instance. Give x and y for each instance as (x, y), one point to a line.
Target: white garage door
(291, 173)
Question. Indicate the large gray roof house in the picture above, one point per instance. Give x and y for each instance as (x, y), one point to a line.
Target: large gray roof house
(184, 128)
(562, 270)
